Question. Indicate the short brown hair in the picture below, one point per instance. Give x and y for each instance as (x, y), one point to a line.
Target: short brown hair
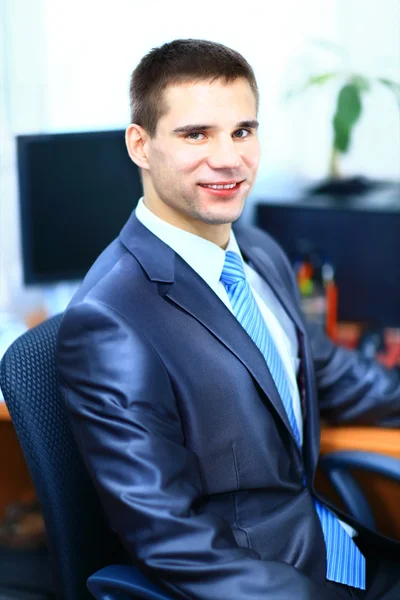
(177, 62)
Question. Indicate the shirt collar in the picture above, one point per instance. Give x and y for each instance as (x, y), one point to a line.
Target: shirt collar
(205, 257)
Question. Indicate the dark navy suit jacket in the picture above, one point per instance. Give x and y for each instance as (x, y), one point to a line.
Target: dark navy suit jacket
(182, 429)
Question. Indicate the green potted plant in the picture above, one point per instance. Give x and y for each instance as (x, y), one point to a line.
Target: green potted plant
(352, 87)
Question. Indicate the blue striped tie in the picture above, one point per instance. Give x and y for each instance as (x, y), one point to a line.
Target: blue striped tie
(345, 563)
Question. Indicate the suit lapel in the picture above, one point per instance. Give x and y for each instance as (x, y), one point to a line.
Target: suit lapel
(260, 260)
(193, 295)
(265, 266)
(312, 422)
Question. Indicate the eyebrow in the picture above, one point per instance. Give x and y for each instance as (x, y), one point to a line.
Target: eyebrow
(252, 124)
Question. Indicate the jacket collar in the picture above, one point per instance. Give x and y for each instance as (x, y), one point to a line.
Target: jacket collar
(156, 258)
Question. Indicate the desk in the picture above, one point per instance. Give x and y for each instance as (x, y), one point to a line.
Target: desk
(15, 480)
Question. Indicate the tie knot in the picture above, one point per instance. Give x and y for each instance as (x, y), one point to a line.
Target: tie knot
(233, 270)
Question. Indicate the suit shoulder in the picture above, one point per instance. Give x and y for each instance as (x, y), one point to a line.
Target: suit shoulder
(252, 235)
(113, 270)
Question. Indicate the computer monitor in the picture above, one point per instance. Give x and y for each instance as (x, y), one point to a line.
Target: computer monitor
(76, 191)
(362, 245)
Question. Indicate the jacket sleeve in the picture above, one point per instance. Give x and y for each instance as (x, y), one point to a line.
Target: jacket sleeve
(125, 419)
(350, 388)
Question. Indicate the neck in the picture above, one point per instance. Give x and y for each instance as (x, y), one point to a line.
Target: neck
(218, 234)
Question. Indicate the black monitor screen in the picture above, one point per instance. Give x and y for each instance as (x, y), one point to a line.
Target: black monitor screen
(362, 245)
(76, 192)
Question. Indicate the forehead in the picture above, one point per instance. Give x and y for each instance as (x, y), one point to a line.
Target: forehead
(209, 102)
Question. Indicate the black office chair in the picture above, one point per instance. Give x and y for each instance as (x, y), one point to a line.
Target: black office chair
(79, 539)
(337, 467)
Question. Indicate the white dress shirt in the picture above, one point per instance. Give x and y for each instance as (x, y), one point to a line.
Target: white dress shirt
(207, 259)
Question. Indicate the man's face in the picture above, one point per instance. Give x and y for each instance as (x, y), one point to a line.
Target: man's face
(207, 137)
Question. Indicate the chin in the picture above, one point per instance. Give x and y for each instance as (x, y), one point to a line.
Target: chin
(221, 217)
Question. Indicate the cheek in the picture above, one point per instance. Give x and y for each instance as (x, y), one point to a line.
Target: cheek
(177, 160)
(252, 156)
(188, 159)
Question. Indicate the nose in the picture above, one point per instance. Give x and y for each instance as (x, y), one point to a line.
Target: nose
(224, 154)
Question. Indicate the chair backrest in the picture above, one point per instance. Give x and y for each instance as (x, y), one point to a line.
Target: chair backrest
(79, 539)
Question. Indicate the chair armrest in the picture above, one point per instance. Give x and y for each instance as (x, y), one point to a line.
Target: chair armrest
(123, 582)
(336, 467)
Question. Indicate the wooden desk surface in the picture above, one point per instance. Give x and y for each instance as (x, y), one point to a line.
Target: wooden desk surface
(4, 414)
(369, 439)
(15, 481)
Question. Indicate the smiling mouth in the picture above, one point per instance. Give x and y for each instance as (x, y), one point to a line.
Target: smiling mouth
(221, 186)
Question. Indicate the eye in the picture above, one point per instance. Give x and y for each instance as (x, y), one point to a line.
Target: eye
(242, 133)
(194, 136)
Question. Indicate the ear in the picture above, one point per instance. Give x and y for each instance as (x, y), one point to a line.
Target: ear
(136, 143)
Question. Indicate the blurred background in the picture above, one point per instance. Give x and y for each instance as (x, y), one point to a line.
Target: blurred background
(328, 186)
(65, 67)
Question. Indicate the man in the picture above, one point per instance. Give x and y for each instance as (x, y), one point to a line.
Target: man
(189, 375)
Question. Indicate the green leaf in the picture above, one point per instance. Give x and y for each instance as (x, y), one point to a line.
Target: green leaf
(348, 111)
(320, 79)
(393, 86)
(312, 81)
(341, 141)
(361, 82)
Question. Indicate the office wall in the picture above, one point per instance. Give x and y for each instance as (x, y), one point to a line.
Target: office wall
(66, 65)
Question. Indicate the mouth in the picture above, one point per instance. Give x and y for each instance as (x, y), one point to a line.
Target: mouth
(223, 188)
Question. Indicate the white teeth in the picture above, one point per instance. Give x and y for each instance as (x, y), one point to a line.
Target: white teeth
(229, 186)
